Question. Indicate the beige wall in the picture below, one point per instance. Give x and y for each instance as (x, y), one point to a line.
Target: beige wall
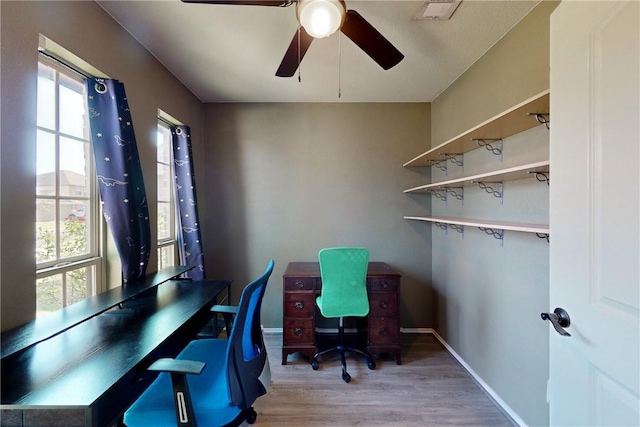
(489, 296)
(87, 31)
(290, 179)
(514, 69)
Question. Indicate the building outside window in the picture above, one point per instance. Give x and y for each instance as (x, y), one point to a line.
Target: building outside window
(167, 243)
(68, 263)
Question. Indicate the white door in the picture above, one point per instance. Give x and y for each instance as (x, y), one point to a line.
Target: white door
(595, 213)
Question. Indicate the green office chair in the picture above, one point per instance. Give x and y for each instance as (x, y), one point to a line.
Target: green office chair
(344, 293)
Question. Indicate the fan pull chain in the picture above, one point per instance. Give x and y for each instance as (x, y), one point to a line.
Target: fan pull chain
(339, 65)
(299, 76)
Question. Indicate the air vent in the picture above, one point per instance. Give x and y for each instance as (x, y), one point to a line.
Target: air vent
(438, 9)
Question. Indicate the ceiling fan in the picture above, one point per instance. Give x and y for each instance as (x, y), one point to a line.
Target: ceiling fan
(321, 18)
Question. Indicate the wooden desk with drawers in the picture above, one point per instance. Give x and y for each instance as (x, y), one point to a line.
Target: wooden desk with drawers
(301, 284)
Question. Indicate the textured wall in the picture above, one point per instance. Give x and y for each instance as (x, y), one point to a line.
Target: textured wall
(290, 179)
(489, 296)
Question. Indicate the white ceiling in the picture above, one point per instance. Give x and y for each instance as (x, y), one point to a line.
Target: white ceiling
(229, 53)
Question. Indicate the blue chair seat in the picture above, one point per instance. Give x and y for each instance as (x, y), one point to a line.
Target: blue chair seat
(156, 408)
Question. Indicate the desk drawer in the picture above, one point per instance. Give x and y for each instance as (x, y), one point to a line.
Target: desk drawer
(298, 331)
(299, 283)
(387, 284)
(299, 304)
(383, 305)
(383, 330)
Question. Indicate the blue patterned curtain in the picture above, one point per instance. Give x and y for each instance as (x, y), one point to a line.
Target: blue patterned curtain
(120, 181)
(189, 236)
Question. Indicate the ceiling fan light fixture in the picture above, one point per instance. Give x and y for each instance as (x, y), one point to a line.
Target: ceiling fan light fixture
(321, 18)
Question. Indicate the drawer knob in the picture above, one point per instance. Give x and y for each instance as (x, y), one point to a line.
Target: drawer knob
(298, 305)
(299, 284)
(384, 304)
(385, 285)
(383, 331)
(297, 331)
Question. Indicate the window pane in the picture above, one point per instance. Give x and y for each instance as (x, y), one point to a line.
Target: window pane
(72, 105)
(73, 168)
(78, 284)
(46, 97)
(46, 241)
(48, 294)
(164, 218)
(164, 145)
(73, 228)
(45, 164)
(166, 256)
(164, 183)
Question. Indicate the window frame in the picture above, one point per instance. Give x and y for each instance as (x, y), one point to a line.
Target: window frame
(93, 258)
(172, 240)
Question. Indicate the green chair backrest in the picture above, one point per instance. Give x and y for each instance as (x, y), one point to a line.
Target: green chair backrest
(344, 275)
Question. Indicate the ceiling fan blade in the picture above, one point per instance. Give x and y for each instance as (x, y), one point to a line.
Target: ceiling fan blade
(243, 2)
(370, 40)
(292, 58)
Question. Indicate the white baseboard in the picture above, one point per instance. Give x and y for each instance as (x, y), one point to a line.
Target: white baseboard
(480, 381)
(460, 360)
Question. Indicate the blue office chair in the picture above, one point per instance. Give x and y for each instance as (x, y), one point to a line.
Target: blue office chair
(212, 382)
(344, 293)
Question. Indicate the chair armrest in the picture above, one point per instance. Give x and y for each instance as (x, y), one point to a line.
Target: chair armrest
(227, 311)
(177, 366)
(179, 369)
(231, 309)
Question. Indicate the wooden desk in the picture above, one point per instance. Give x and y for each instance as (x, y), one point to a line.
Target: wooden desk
(90, 373)
(301, 283)
(41, 329)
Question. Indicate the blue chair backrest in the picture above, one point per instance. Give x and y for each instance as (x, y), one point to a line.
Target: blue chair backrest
(246, 354)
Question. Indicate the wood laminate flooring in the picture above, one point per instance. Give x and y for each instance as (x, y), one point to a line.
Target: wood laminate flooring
(430, 388)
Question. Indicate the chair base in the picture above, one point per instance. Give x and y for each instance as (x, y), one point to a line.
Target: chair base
(341, 348)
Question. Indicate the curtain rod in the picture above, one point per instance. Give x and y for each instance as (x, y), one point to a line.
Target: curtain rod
(166, 122)
(65, 64)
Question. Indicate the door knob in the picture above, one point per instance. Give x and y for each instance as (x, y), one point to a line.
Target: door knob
(559, 319)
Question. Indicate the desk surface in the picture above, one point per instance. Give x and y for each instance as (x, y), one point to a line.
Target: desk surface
(312, 269)
(29, 334)
(94, 366)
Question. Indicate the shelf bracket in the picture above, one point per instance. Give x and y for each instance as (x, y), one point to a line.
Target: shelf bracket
(453, 157)
(543, 236)
(458, 228)
(438, 194)
(499, 193)
(440, 164)
(446, 227)
(541, 176)
(442, 226)
(542, 118)
(499, 234)
(494, 145)
(457, 192)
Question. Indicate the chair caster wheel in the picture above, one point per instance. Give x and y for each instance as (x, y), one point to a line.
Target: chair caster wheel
(346, 377)
(252, 415)
(315, 365)
(371, 364)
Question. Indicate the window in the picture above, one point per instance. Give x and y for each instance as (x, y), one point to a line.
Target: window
(68, 266)
(167, 244)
